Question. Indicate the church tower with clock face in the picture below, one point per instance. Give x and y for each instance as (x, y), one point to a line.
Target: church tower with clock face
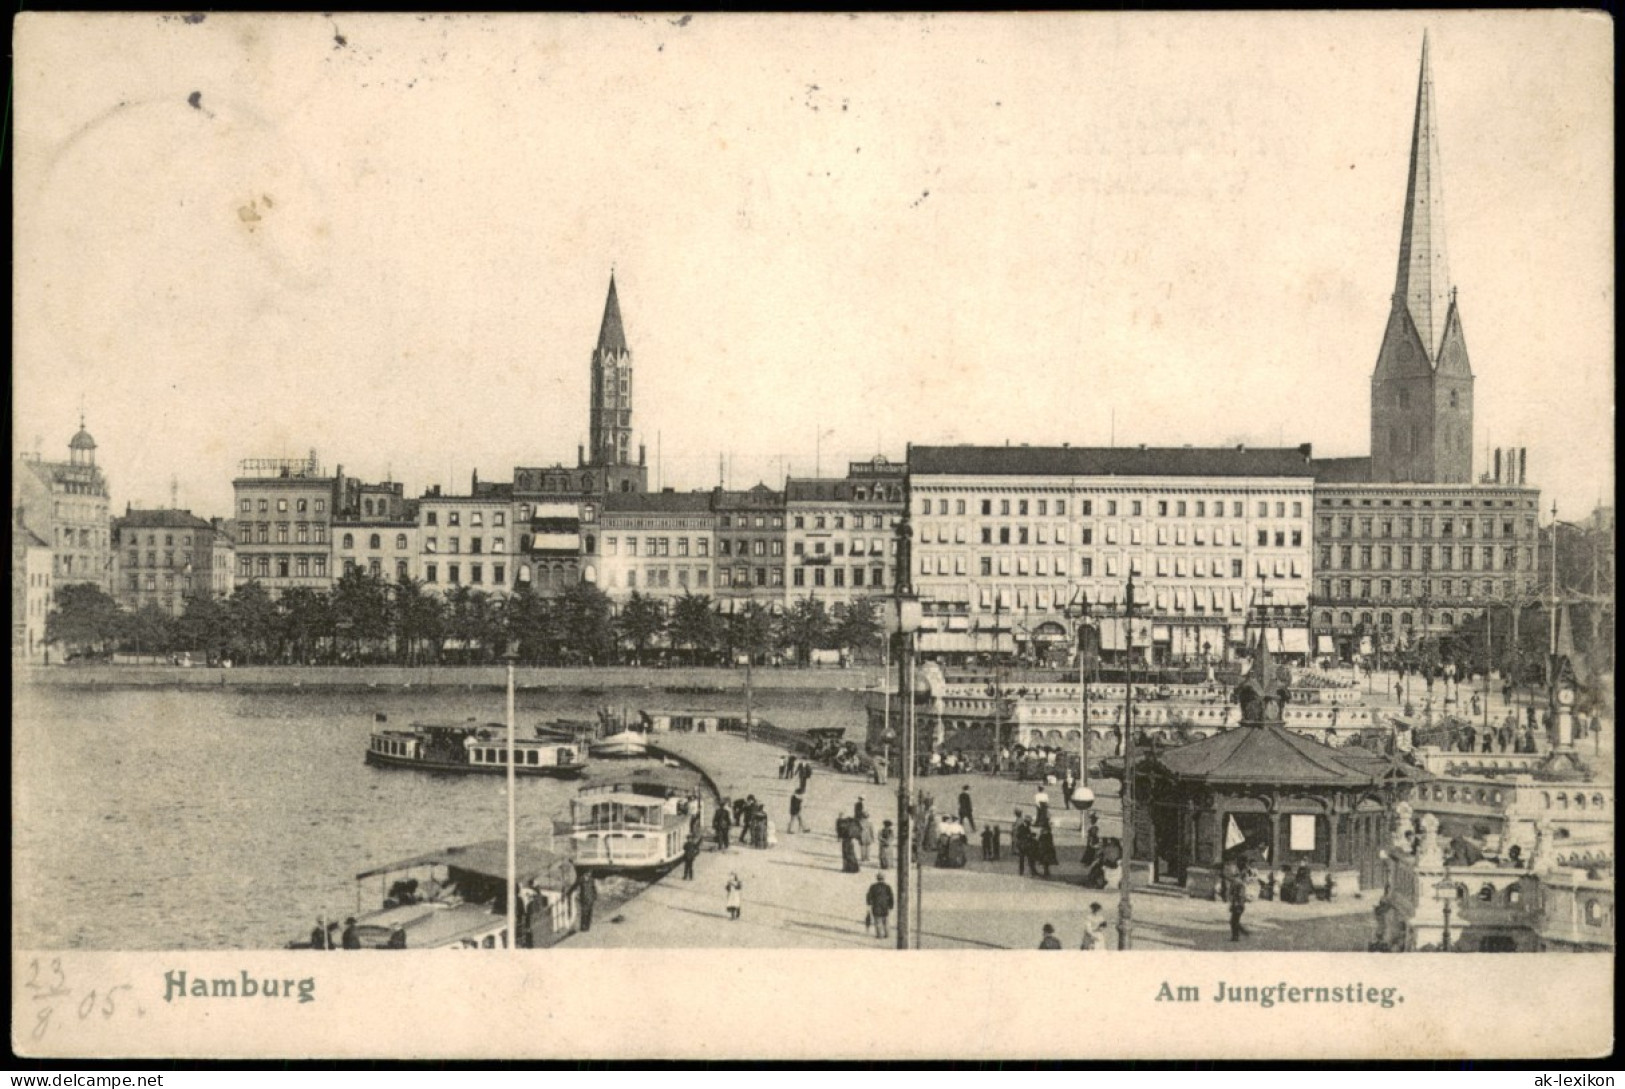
(1422, 387)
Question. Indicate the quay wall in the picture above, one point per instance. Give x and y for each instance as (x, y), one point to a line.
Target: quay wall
(495, 677)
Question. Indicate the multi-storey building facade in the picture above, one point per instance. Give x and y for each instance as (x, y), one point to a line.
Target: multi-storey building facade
(163, 558)
(841, 532)
(1396, 563)
(376, 531)
(468, 540)
(65, 505)
(385, 547)
(558, 542)
(30, 592)
(750, 547)
(223, 557)
(1005, 539)
(660, 544)
(285, 511)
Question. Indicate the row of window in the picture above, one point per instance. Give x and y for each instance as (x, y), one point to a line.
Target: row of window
(875, 546)
(134, 559)
(875, 577)
(455, 518)
(838, 521)
(305, 566)
(84, 538)
(1408, 556)
(661, 546)
(1043, 534)
(152, 582)
(659, 578)
(1165, 566)
(132, 539)
(746, 577)
(757, 521)
(476, 545)
(1444, 588)
(303, 532)
(1345, 619)
(301, 506)
(454, 573)
(1164, 508)
(1407, 525)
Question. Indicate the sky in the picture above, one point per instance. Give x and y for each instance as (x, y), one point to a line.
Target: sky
(388, 238)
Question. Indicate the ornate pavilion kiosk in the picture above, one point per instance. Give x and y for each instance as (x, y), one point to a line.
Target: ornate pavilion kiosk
(1264, 794)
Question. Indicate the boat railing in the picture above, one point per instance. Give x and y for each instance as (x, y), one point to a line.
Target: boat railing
(656, 823)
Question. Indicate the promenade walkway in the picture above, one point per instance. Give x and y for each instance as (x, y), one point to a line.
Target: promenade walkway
(795, 895)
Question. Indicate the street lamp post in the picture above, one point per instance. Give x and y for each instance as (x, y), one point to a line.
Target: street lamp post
(1125, 910)
(513, 865)
(906, 618)
(1083, 795)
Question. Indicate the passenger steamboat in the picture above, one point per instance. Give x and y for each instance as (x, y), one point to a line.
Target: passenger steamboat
(456, 898)
(470, 747)
(638, 823)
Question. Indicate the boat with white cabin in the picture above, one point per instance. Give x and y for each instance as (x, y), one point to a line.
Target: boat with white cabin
(470, 748)
(637, 823)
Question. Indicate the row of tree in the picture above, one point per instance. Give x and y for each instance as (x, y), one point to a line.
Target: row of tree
(366, 619)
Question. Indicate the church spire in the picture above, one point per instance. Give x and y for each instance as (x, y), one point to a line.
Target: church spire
(611, 337)
(1423, 285)
(610, 435)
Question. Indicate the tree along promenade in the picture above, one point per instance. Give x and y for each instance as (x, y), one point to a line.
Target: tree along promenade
(795, 894)
(680, 682)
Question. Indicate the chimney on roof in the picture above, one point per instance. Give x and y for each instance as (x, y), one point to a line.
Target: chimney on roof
(1307, 449)
(1241, 446)
(1142, 446)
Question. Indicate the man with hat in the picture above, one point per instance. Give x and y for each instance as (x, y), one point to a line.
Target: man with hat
(1050, 940)
(880, 902)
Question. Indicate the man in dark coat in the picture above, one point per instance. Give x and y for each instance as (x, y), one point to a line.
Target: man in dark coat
(804, 771)
(589, 899)
(795, 814)
(1045, 853)
(722, 825)
(880, 902)
(352, 937)
(691, 851)
(1238, 904)
(1021, 840)
(967, 813)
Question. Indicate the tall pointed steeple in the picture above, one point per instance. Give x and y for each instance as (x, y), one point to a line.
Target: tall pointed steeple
(610, 435)
(1422, 387)
(611, 337)
(1424, 272)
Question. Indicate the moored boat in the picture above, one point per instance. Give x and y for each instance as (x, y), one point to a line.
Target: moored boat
(626, 744)
(638, 823)
(456, 898)
(473, 748)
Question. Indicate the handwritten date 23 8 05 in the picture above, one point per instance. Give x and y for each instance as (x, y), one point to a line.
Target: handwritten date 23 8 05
(48, 985)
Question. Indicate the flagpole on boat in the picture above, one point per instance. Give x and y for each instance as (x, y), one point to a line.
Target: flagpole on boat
(513, 864)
